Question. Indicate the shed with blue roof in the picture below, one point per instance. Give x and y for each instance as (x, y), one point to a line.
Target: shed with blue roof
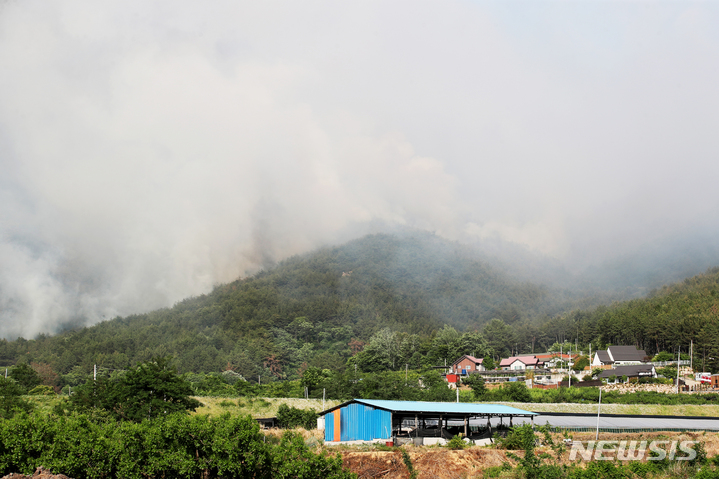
(375, 419)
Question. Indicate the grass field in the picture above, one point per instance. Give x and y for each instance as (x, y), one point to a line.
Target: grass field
(267, 407)
(256, 407)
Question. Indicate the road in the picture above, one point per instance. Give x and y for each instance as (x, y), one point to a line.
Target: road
(621, 421)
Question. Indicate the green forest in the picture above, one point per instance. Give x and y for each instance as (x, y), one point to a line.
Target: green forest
(379, 303)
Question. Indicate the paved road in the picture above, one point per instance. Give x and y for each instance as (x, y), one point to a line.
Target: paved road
(617, 421)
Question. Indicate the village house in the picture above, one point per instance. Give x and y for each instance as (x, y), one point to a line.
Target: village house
(551, 360)
(619, 356)
(467, 364)
(630, 371)
(520, 362)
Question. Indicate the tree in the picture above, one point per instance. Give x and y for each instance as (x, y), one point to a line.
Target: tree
(501, 337)
(11, 400)
(581, 363)
(474, 343)
(489, 363)
(447, 345)
(664, 356)
(516, 391)
(150, 390)
(147, 391)
(25, 376)
(476, 383)
(313, 376)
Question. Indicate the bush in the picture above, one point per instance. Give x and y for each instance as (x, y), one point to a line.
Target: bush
(42, 390)
(456, 443)
(291, 417)
(516, 391)
(176, 446)
(581, 363)
(664, 356)
(476, 383)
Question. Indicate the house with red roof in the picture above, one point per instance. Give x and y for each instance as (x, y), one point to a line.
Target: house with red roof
(467, 364)
(550, 360)
(520, 362)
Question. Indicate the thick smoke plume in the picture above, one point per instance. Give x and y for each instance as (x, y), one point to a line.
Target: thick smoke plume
(149, 150)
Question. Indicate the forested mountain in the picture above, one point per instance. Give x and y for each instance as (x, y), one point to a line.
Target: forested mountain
(309, 309)
(392, 294)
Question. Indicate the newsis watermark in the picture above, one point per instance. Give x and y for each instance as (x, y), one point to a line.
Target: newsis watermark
(633, 450)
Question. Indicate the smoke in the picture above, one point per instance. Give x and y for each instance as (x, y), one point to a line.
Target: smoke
(149, 150)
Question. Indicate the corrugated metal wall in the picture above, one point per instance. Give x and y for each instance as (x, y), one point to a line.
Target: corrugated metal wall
(330, 426)
(357, 422)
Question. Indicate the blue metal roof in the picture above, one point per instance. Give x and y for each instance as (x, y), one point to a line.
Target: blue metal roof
(478, 409)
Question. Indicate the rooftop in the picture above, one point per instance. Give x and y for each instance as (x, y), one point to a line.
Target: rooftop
(626, 353)
(478, 409)
(471, 358)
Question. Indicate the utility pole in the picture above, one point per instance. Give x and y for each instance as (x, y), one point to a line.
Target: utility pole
(94, 373)
(569, 368)
(599, 408)
(679, 358)
(691, 356)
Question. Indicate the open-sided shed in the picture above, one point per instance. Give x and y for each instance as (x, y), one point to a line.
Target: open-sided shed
(373, 419)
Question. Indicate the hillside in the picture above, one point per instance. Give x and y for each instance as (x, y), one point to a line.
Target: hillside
(320, 308)
(308, 309)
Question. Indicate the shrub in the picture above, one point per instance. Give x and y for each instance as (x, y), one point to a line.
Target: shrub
(476, 383)
(177, 446)
(581, 363)
(516, 391)
(456, 443)
(291, 417)
(42, 390)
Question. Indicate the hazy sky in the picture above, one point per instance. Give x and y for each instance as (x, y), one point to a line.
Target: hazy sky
(149, 150)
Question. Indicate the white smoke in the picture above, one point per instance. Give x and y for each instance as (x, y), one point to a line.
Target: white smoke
(149, 150)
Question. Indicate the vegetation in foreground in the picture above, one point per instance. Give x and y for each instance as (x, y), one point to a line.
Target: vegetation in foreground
(175, 445)
(138, 426)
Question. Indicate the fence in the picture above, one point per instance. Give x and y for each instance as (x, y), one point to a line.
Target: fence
(661, 364)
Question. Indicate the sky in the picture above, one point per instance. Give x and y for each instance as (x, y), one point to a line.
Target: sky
(150, 150)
